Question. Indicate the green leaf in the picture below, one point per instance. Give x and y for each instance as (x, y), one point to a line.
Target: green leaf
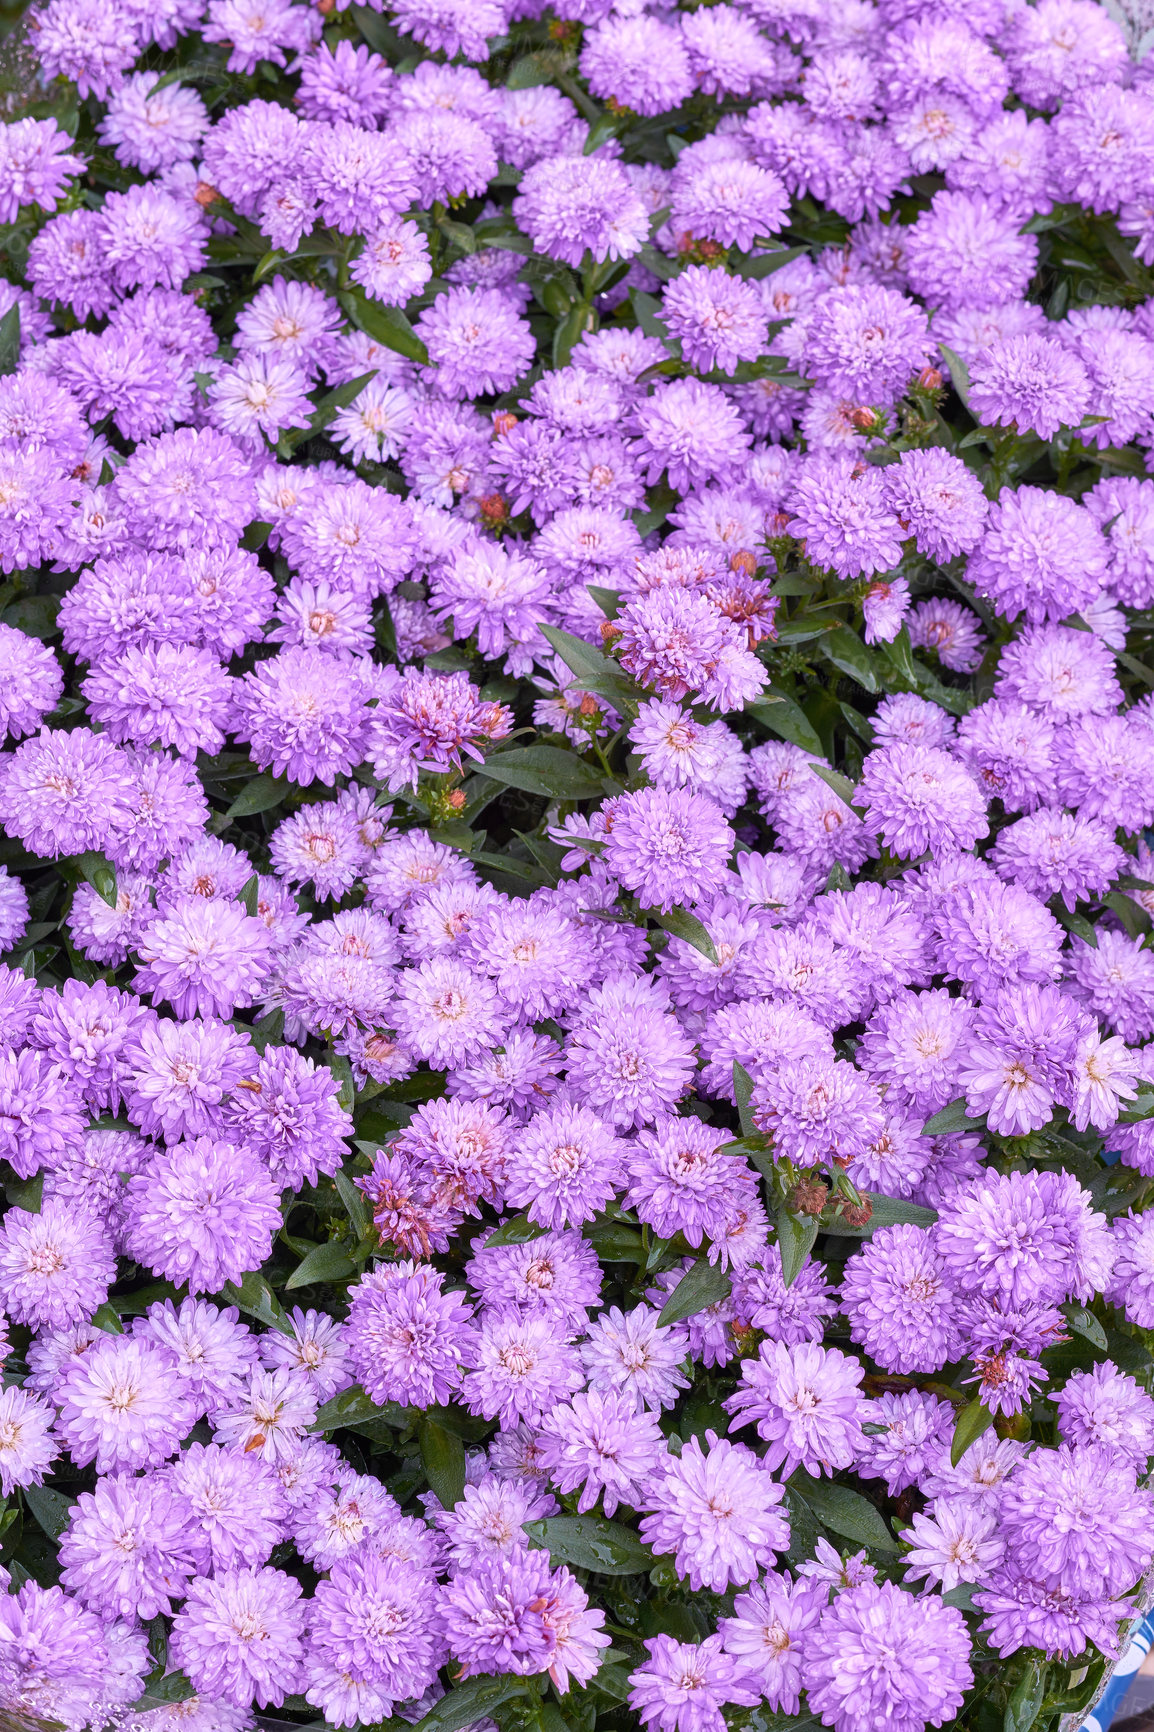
(546, 770)
(844, 1512)
(841, 785)
(106, 1318)
(387, 325)
(10, 339)
(352, 1408)
(591, 1543)
(972, 1421)
(788, 721)
(260, 795)
(765, 264)
(256, 1299)
(608, 600)
(96, 869)
(743, 1091)
(329, 1262)
(519, 1231)
(1084, 1323)
(961, 1598)
(475, 1699)
(330, 405)
(950, 1119)
(53, 1511)
(595, 672)
(616, 1242)
(26, 1194)
(698, 1289)
(356, 1207)
(849, 655)
(569, 331)
(1022, 1708)
(681, 924)
(443, 1459)
(795, 1238)
(1074, 922)
(959, 373)
(887, 1212)
(530, 70)
(1141, 1107)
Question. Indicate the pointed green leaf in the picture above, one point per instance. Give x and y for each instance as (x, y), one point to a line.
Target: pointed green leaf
(844, 1512)
(698, 1289)
(260, 795)
(787, 720)
(959, 373)
(972, 1421)
(475, 1699)
(950, 1119)
(845, 649)
(329, 1262)
(594, 671)
(10, 339)
(387, 325)
(1023, 1706)
(546, 770)
(887, 1212)
(53, 1511)
(841, 785)
(443, 1459)
(795, 1237)
(743, 1092)
(679, 923)
(97, 870)
(1085, 1324)
(591, 1543)
(256, 1299)
(520, 1230)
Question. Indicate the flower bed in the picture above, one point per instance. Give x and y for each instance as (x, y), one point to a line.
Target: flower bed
(577, 1001)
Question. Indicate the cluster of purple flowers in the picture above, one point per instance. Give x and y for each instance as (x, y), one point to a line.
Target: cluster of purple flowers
(366, 407)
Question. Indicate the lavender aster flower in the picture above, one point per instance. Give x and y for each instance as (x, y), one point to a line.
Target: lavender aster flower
(717, 1510)
(407, 1336)
(203, 1213)
(603, 1444)
(129, 1548)
(683, 1684)
(899, 1301)
(27, 1446)
(880, 1654)
(123, 1405)
(55, 1266)
(805, 1403)
(238, 1636)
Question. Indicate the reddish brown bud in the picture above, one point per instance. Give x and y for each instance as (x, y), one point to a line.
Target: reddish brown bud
(588, 707)
(743, 561)
(503, 421)
(609, 633)
(930, 379)
(456, 799)
(857, 1214)
(494, 510)
(865, 420)
(808, 1197)
(205, 194)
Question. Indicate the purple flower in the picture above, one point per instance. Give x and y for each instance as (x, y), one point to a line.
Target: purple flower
(669, 846)
(123, 1405)
(920, 799)
(271, 1413)
(566, 1165)
(1030, 382)
(1074, 1521)
(938, 501)
(1021, 1059)
(603, 1444)
(766, 1635)
(568, 204)
(55, 1654)
(842, 517)
(727, 199)
(1041, 554)
(907, 1435)
(718, 1511)
(634, 1352)
(899, 1301)
(863, 342)
(27, 1446)
(805, 1403)
(965, 251)
(683, 1685)
(238, 1636)
(678, 1182)
(129, 1549)
(203, 1213)
(55, 1266)
(1105, 770)
(994, 935)
(818, 1110)
(880, 1655)
(203, 957)
(1024, 1237)
(407, 1336)
(304, 715)
(556, 1274)
(628, 1058)
(522, 1366)
(1023, 1613)
(690, 431)
(1105, 1408)
(234, 1502)
(64, 793)
(718, 319)
(364, 1596)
